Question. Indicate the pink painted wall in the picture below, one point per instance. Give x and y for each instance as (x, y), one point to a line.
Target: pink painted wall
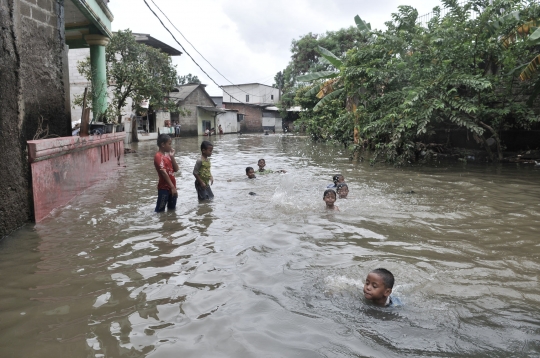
(62, 168)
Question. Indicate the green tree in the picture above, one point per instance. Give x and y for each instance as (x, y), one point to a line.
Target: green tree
(400, 85)
(187, 79)
(306, 58)
(134, 71)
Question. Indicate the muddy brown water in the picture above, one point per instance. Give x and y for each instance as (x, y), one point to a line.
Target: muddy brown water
(275, 274)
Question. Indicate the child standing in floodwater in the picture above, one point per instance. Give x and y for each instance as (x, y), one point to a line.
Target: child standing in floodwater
(201, 171)
(166, 166)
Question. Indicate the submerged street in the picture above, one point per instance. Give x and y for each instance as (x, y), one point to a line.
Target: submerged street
(275, 274)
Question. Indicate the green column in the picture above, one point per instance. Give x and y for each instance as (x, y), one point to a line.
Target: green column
(99, 73)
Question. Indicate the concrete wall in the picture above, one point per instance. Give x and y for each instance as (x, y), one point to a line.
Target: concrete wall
(32, 89)
(62, 168)
(228, 121)
(258, 93)
(189, 123)
(252, 115)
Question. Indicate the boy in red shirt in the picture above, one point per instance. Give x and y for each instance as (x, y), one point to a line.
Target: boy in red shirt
(166, 166)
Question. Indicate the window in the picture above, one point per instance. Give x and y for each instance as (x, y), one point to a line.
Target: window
(239, 117)
(272, 97)
(247, 98)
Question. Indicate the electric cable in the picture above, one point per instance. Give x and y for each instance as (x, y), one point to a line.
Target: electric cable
(187, 53)
(200, 53)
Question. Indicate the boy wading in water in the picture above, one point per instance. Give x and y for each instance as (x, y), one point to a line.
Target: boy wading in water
(378, 287)
(201, 171)
(166, 166)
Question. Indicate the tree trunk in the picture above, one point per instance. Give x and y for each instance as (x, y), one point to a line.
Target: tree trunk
(497, 139)
(134, 134)
(483, 140)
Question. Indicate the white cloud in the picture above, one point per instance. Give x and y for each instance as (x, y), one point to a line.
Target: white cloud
(248, 40)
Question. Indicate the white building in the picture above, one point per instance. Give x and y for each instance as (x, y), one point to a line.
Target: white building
(255, 93)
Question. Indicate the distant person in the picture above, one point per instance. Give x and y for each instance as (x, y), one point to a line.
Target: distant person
(207, 132)
(262, 163)
(201, 171)
(220, 129)
(338, 178)
(166, 166)
(342, 190)
(378, 288)
(250, 173)
(177, 129)
(329, 198)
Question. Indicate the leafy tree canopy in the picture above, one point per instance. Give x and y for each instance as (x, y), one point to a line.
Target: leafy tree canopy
(396, 87)
(189, 78)
(134, 71)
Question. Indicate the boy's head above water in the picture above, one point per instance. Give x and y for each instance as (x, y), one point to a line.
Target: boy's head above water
(342, 190)
(250, 173)
(261, 163)
(338, 178)
(329, 198)
(164, 142)
(378, 286)
(207, 148)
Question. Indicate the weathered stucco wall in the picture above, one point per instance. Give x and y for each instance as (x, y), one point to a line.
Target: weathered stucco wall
(32, 91)
(189, 123)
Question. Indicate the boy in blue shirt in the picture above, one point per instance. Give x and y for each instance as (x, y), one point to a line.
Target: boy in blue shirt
(378, 288)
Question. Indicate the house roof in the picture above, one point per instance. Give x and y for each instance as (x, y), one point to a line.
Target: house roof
(212, 109)
(243, 84)
(155, 43)
(180, 93)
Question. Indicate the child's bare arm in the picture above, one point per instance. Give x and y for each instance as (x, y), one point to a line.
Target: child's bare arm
(173, 161)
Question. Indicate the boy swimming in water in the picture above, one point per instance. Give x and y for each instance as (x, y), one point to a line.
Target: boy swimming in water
(342, 190)
(262, 163)
(329, 198)
(250, 173)
(378, 288)
(337, 179)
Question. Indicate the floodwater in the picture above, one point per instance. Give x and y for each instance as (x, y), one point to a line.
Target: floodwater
(275, 274)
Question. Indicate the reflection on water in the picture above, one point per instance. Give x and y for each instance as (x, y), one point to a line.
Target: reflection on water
(275, 274)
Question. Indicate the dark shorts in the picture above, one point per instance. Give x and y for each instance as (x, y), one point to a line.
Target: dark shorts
(203, 193)
(165, 198)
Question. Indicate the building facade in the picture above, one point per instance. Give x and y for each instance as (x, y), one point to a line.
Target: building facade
(34, 94)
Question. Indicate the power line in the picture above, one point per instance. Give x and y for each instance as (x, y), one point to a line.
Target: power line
(197, 51)
(187, 53)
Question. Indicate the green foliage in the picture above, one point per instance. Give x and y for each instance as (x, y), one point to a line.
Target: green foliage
(134, 71)
(306, 58)
(187, 79)
(398, 86)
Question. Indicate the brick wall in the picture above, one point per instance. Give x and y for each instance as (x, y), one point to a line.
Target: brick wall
(252, 116)
(32, 90)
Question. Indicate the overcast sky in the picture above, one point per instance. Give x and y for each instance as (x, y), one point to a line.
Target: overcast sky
(247, 40)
